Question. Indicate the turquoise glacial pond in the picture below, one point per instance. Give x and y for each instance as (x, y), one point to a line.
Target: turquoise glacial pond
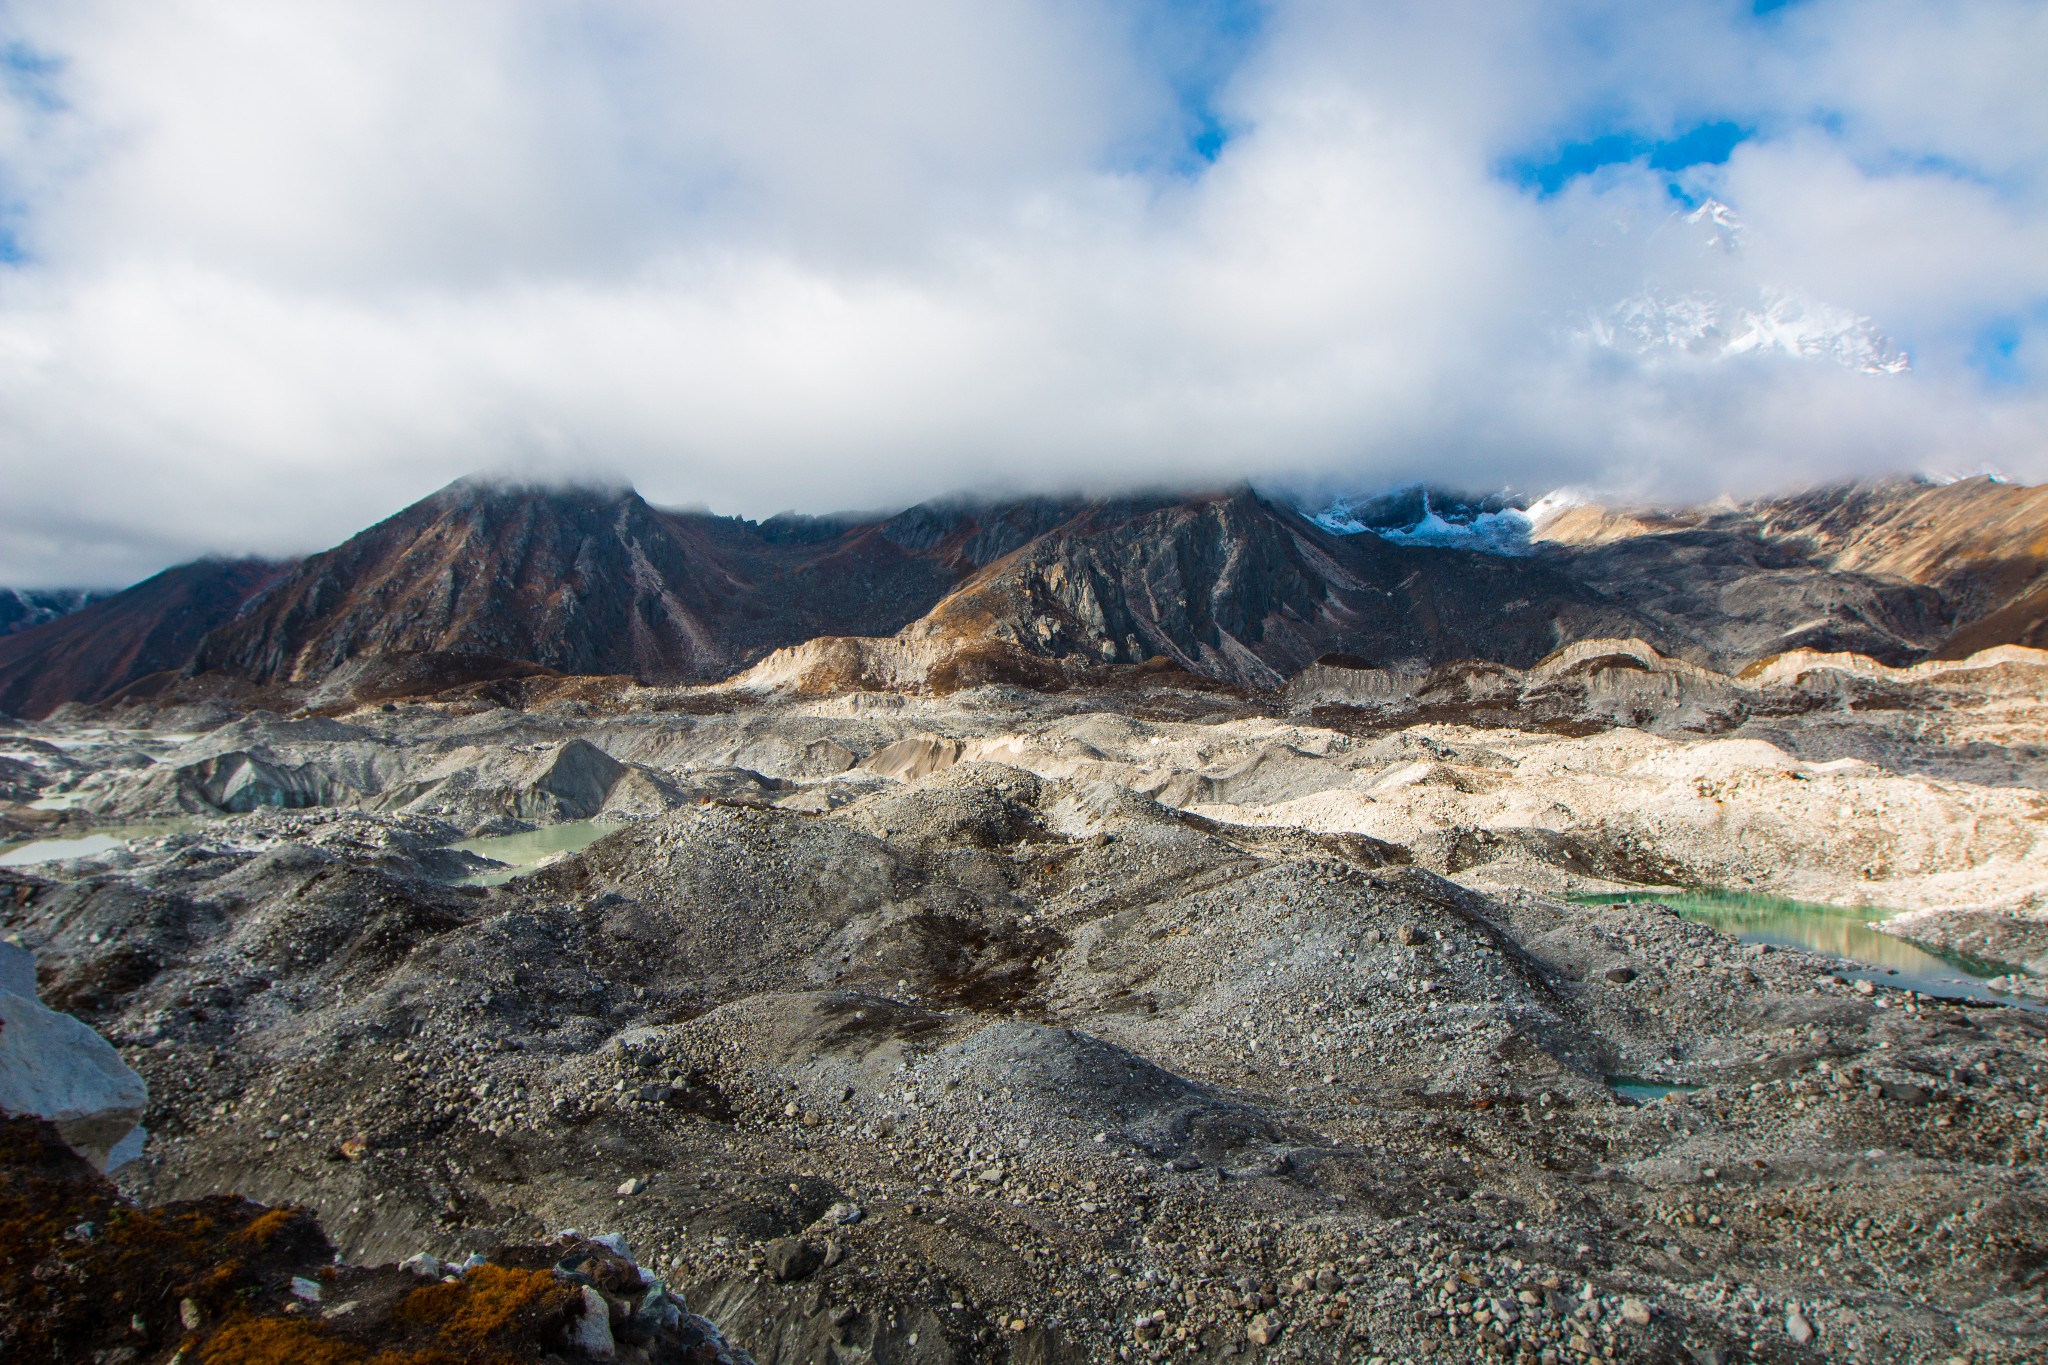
(1851, 935)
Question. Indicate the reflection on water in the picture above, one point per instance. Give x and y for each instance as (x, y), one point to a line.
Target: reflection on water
(1834, 931)
(106, 840)
(531, 850)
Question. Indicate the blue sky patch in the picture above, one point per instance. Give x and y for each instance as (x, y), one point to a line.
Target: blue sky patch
(1999, 351)
(31, 77)
(1199, 47)
(1547, 172)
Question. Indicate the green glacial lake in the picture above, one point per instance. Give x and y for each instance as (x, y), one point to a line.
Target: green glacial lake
(523, 853)
(1868, 953)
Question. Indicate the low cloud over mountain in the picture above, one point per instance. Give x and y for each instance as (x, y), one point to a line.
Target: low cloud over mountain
(265, 273)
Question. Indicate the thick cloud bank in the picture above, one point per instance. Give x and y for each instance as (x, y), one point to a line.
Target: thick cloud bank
(268, 271)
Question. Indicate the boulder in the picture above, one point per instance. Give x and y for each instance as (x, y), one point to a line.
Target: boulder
(56, 1068)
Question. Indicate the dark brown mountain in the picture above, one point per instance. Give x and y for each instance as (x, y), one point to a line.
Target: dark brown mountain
(1239, 588)
(150, 628)
(1725, 595)
(585, 581)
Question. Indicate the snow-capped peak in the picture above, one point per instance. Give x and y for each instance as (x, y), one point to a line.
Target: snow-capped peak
(1725, 230)
(1494, 526)
(1701, 299)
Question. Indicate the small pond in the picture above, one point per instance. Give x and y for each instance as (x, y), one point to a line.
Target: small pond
(37, 851)
(1839, 932)
(1638, 1091)
(524, 853)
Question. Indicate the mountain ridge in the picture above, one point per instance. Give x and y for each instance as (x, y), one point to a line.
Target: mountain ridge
(487, 580)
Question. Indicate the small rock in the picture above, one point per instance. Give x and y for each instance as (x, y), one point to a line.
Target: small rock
(592, 1333)
(1866, 988)
(421, 1264)
(791, 1258)
(1408, 935)
(1635, 1311)
(632, 1186)
(1263, 1330)
(1620, 976)
(189, 1315)
(1797, 1327)
(303, 1288)
(842, 1215)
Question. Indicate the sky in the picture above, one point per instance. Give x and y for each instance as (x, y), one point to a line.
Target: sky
(269, 272)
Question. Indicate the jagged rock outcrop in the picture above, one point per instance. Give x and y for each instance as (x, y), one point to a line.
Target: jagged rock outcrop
(229, 1281)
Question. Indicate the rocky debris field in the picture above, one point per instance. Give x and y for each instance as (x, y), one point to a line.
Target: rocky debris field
(1006, 1026)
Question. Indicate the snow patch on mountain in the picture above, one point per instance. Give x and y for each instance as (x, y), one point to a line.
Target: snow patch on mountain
(1497, 525)
(1703, 303)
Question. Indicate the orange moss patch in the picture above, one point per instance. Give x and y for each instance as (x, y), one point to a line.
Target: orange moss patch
(266, 1227)
(487, 1306)
(276, 1341)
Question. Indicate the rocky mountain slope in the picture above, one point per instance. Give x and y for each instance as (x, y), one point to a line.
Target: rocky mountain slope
(1240, 588)
(1897, 569)
(595, 581)
(1982, 542)
(155, 626)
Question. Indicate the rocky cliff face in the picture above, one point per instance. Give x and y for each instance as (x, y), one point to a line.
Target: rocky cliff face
(1238, 588)
(154, 626)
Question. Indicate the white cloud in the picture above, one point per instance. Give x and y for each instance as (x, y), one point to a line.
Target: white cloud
(288, 267)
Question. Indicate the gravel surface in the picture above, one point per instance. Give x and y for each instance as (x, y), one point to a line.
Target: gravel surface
(1045, 1038)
